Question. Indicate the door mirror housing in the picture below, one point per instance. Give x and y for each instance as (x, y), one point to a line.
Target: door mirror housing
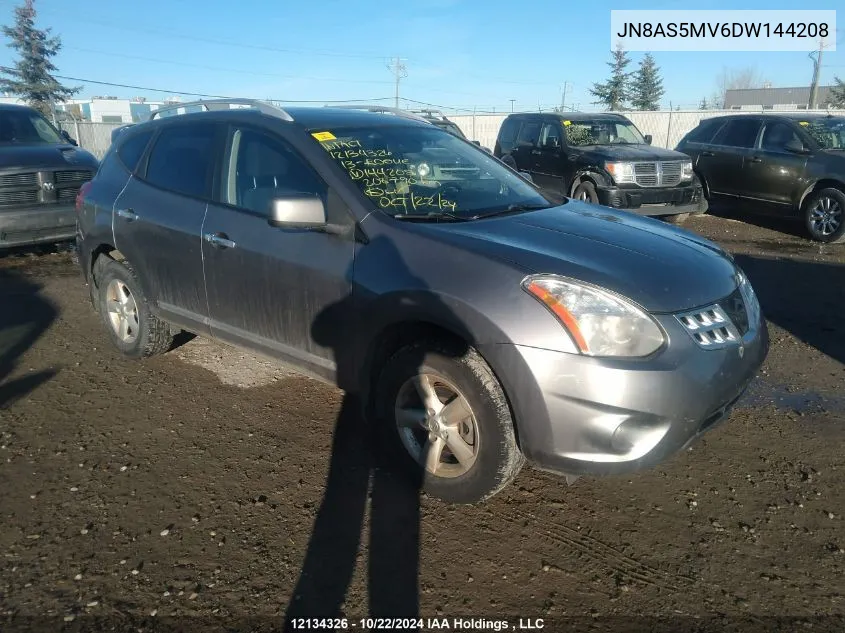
(67, 137)
(648, 139)
(796, 147)
(527, 176)
(298, 211)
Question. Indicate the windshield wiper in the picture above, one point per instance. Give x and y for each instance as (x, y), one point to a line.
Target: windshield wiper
(514, 208)
(436, 216)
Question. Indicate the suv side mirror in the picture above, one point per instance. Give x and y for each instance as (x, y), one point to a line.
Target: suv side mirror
(527, 176)
(551, 143)
(298, 211)
(796, 147)
(67, 137)
(648, 139)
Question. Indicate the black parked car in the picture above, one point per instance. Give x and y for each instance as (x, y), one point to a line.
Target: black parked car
(787, 163)
(603, 159)
(41, 170)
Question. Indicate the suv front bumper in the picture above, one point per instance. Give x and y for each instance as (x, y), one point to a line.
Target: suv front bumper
(38, 224)
(578, 415)
(655, 201)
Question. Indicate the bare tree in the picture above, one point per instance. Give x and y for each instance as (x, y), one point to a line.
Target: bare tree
(735, 79)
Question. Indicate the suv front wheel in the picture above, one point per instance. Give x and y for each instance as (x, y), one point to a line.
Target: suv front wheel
(824, 215)
(132, 327)
(443, 415)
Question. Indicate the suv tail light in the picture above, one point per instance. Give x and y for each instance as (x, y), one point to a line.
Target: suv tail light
(80, 196)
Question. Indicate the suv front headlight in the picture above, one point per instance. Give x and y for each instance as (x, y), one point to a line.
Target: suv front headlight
(686, 171)
(621, 172)
(599, 322)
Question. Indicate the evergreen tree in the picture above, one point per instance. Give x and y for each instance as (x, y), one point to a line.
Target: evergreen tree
(647, 86)
(613, 93)
(31, 77)
(837, 93)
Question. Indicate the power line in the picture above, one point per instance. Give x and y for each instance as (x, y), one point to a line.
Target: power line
(201, 94)
(219, 69)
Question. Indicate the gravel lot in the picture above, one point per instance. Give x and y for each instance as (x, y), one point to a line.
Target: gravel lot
(205, 489)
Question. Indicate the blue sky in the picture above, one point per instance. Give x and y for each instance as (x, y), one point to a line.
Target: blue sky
(458, 53)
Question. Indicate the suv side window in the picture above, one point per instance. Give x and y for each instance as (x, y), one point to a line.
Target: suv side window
(550, 135)
(776, 135)
(131, 150)
(181, 159)
(507, 135)
(529, 134)
(261, 167)
(739, 132)
(705, 131)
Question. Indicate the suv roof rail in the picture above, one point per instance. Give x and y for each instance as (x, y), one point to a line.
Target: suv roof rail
(383, 110)
(430, 112)
(213, 105)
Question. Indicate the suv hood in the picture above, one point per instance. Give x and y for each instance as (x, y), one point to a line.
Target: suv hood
(622, 152)
(35, 157)
(663, 268)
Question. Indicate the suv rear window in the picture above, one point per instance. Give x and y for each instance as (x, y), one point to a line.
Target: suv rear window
(181, 159)
(131, 150)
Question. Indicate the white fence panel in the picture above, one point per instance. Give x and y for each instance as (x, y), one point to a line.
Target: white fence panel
(95, 137)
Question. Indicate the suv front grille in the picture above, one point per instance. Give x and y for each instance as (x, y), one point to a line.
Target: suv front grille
(43, 187)
(658, 174)
(719, 325)
(19, 180)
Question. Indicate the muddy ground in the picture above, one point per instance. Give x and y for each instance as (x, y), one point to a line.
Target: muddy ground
(182, 491)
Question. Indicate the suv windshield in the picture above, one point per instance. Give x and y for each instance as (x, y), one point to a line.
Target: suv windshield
(829, 133)
(601, 132)
(422, 170)
(22, 126)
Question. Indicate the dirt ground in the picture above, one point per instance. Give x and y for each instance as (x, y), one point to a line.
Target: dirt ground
(181, 492)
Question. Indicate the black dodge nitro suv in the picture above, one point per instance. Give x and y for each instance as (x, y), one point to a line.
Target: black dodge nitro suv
(603, 159)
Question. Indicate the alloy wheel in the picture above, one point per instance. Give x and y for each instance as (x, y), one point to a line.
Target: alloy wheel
(826, 216)
(122, 311)
(437, 426)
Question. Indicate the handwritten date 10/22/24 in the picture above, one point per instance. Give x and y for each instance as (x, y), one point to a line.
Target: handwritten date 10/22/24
(410, 201)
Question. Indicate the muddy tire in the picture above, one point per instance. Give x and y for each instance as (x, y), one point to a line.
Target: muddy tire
(824, 215)
(586, 192)
(125, 312)
(443, 418)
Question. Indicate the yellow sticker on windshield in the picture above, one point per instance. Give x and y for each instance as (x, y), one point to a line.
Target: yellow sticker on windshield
(567, 122)
(803, 123)
(324, 136)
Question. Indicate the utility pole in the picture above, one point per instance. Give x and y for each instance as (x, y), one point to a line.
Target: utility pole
(397, 67)
(511, 100)
(563, 97)
(816, 56)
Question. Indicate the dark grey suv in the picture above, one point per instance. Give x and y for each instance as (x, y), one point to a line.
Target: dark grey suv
(476, 323)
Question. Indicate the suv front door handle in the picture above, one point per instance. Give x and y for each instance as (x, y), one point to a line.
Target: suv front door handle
(128, 214)
(755, 159)
(220, 240)
(705, 153)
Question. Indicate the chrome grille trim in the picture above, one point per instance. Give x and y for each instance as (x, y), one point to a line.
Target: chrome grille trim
(76, 175)
(710, 327)
(658, 173)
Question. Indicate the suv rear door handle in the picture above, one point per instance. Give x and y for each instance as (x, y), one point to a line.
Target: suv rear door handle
(705, 153)
(219, 240)
(128, 214)
(536, 152)
(755, 159)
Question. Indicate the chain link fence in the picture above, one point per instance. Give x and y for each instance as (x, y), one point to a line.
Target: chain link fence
(94, 137)
(666, 127)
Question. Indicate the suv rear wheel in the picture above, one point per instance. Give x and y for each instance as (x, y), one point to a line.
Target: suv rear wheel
(133, 329)
(444, 417)
(824, 215)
